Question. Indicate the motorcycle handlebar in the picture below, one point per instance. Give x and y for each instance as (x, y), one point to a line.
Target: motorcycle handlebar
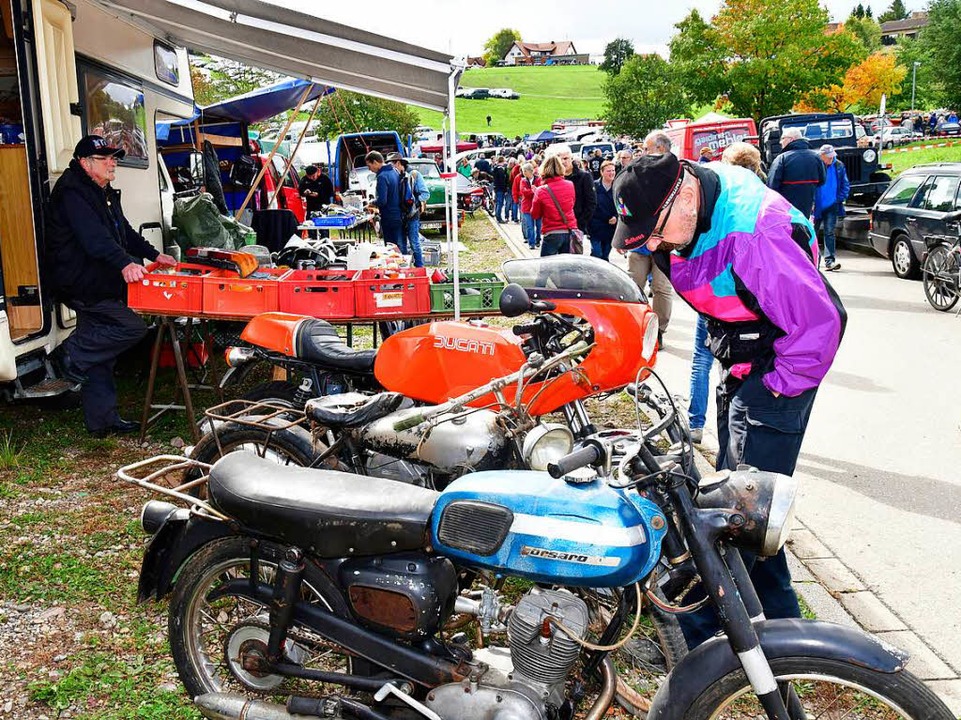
(572, 461)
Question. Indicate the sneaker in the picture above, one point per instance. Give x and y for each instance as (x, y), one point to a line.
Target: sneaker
(697, 435)
(831, 266)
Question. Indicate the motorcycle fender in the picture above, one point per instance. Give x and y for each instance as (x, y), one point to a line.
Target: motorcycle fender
(236, 374)
(711, 661)
(171, 545)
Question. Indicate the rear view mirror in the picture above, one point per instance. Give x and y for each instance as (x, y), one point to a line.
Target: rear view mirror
(514, 301)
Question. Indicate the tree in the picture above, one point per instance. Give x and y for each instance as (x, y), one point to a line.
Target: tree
(497, 46)
(942, 38)
(347, 112)
(616, 54)
(864, 84)
(928, 86)
(644, 95)
(764, 54)
(897, 11)
(219, 78)
(858, 12)
(867, 30)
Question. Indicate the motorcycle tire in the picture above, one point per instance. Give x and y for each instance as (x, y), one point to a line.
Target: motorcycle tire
(274, 390)
(846, 689)
(201, 655)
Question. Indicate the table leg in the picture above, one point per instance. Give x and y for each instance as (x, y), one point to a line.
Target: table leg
(151, 379)
(184, 385)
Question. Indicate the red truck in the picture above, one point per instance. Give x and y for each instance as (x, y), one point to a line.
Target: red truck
(688, 137)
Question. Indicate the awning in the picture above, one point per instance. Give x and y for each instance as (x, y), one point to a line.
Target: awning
(263, 103)
(303, 46)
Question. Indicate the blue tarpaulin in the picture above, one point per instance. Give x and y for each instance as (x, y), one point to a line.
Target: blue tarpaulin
(248, 108)
(543, 136)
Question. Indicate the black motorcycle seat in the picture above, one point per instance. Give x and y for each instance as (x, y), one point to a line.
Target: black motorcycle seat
(325, 512)
(317, 342)
(327, 412)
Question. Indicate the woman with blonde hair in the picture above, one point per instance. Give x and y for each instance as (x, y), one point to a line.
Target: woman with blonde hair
(553, 204)
(746, 156)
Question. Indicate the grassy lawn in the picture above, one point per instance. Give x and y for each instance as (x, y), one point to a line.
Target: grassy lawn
(547, 94)
(901, 161)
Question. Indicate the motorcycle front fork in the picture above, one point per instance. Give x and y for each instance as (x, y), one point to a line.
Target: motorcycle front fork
(729, 586)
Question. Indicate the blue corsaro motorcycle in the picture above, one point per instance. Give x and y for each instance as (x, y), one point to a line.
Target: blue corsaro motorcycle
(298, 592)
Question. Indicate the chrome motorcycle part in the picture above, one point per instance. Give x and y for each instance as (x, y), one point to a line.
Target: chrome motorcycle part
(546, 443)
(232, 706)
(237, 356)
(759, 505)
(469, 699)
(543, 654)
(453, 444)
(246, 650)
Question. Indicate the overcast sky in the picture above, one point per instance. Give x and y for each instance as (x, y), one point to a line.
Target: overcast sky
(462, 28)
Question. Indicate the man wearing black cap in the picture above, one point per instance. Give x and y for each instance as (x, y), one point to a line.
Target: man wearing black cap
(91, 254)
(744, 258)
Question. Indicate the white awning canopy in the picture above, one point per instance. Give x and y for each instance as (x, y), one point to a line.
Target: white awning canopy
(277, 38)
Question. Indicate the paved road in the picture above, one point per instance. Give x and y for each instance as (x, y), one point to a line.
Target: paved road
(881, 465)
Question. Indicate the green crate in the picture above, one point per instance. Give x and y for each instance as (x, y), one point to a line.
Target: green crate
(478, 291)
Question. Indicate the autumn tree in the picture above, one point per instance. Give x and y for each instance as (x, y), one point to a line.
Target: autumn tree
(897, 11)
(864, 84)
(764, 54)
(499, 43)
(942, 38)
(347, 112)
(644, 95)
(616, 54)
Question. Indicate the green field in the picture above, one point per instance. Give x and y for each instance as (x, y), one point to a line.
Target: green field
(547, 93)
(901, 161)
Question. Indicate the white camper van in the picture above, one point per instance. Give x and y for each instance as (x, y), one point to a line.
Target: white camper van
(68, 69)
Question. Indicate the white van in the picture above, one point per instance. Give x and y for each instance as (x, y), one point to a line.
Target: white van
(87, 72)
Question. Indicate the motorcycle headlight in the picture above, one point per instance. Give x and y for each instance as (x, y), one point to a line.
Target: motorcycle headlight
(649, 345)
(759, 507)
(869, 156)
(546, 444)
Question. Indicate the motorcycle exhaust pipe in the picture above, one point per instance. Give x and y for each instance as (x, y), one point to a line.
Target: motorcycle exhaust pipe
(232, 706)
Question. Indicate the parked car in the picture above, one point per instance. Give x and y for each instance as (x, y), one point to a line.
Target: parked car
(504, 93)
(892, 136)
(948, 129)
(914, 206)
(476, 94)
(435, 216)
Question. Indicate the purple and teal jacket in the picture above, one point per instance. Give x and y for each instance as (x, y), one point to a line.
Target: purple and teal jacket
(751, 270)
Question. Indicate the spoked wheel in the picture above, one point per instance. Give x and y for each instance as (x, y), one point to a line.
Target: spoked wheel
(216, 640)
(826, 690)
(942, 276)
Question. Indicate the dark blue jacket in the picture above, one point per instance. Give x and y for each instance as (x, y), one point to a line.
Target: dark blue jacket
(88, 241)
(796, 174)
(601, 229)
(388, 193)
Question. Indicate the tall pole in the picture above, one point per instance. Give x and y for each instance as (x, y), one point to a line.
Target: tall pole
(914, 78)
(452, 143)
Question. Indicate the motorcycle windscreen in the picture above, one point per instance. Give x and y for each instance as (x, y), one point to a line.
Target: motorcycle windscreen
(572, 276)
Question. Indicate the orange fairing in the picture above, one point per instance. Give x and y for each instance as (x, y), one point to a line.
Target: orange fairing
(273, 331)
(613, 362)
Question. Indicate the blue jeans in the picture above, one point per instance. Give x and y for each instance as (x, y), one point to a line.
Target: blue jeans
(532, 229)
(411, 240)
(392, 228)
(827, 222)
(601, 247)
(756, 428)
(556, 243)
(501, 203)
(515, 209)
(701, 364)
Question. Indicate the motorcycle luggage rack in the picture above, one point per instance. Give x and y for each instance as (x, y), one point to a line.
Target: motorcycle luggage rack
(147, 473)
(261, 414)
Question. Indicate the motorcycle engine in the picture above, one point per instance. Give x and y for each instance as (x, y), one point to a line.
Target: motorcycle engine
(524, 683)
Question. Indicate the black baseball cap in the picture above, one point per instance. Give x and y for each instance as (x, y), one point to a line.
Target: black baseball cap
(641, 190)
(96, 145)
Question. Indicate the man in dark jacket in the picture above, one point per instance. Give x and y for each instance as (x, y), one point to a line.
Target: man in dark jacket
(91, 254)
(501, 189)
(797, 172)
(316, 188)
(387, 200)
(584, 199)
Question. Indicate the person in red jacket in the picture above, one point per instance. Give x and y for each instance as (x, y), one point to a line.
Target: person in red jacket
(553, 204)
(524, 185)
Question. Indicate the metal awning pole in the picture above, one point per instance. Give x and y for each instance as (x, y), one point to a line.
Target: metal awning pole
(452, 139)
(293, 154)
(450, 214)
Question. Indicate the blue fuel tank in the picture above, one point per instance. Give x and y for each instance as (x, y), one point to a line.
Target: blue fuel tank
(529, 524)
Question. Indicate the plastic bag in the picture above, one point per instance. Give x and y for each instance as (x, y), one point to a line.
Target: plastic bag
(200, 223)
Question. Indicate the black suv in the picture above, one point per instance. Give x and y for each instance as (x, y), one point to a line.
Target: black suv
(915, 206)
(837, 129)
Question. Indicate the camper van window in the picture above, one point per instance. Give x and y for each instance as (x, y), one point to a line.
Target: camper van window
(114, 109)
(166, 64)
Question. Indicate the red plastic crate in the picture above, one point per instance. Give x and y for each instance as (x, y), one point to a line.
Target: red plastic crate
(325, 294)
(226, 294)
(392, 292)
(169, 293)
